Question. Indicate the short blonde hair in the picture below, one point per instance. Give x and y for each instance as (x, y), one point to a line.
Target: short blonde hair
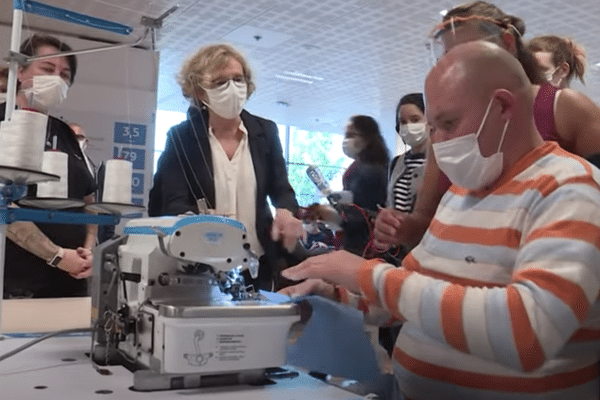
(196, 69)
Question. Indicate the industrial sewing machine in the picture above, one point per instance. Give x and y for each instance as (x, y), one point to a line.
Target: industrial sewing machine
(169, 303)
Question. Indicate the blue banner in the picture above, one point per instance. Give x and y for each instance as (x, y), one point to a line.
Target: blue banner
(130, 133)
(136, 156)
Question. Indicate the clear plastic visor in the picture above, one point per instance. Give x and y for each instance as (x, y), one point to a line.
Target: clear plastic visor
(451, 33)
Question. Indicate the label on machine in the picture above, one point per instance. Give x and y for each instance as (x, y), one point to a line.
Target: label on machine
(224, 344)
(231, 346)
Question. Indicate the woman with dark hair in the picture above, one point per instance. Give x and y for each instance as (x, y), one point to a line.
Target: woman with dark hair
(50, 260)
(566, 116)
(406, 170)
(366, 177)
(366, 181)
(561, 59)
(32, 45)
(405, 179)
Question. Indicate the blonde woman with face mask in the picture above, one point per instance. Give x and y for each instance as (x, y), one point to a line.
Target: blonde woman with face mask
(561, 59)
(50, 260)
(228, 159)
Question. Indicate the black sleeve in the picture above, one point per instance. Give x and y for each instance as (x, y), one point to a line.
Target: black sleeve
(369, 188)
(170, 193)
(594, 159)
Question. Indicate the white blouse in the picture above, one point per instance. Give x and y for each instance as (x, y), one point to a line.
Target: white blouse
(235, 185)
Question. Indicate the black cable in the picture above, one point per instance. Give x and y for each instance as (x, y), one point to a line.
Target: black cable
(47, 336)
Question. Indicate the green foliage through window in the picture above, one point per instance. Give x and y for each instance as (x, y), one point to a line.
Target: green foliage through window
(317, 148)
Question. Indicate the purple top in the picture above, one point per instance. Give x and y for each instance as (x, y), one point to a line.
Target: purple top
(543, 112)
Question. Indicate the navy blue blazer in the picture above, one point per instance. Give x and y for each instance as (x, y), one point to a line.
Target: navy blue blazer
(185, 171)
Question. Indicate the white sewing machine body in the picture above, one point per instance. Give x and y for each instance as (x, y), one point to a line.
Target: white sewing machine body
(172, 307)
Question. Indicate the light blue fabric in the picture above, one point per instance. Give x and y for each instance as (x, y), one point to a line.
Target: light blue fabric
(334, 342)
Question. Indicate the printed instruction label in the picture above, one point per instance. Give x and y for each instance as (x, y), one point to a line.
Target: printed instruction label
(231, 346)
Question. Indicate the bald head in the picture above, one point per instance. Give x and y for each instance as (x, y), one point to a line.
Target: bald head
(480, 87)
(79, 134)
(478, 68)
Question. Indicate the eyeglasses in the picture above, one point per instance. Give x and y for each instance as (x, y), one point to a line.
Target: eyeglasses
(215, 83)
(455, 31)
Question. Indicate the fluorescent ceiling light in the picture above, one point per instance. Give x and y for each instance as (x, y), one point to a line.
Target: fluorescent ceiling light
(298, 74)
(293, 78)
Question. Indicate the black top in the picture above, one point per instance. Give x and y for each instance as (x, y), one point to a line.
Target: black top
(185, 174)
(368, 184)
(26, 275)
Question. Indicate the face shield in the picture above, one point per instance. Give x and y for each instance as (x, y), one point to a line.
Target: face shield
(462, 30)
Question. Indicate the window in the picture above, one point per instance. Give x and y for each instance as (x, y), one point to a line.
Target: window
(164, 121)
(314, 148)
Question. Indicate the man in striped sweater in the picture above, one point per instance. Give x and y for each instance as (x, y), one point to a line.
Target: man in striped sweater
(500, 298)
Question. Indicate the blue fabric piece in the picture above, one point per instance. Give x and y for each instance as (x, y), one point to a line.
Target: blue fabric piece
(274, 297)
(334, 342)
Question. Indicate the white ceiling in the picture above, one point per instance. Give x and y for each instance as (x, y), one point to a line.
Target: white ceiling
(367, 52)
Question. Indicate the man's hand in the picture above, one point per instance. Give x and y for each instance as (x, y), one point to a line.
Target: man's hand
(310, 286)
(395, 228)
(388, 228)
(78, 263)
(338, 268)
(286, 229)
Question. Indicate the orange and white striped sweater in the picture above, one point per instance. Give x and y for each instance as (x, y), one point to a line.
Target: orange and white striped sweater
(500, 298)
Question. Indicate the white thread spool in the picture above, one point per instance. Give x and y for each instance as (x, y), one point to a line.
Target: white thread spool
(57, 163)
(117, 182)
(22, 140)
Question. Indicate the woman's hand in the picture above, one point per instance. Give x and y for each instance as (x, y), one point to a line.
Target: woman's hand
(287, 229)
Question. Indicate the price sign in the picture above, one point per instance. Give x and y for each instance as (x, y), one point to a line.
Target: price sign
(130, 133)
(136, 156)
(137, 183)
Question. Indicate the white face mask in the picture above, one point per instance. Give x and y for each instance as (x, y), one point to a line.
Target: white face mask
(47, 91)
(461, 160)
(2, 97)
(413, 134)
(228, 99)
(550, 77)
(352, 147)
